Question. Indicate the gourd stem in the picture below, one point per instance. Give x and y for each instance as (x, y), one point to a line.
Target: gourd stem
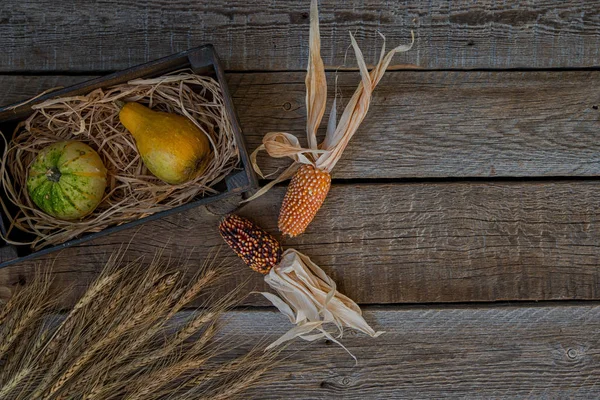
(53, 174)
(119, 103)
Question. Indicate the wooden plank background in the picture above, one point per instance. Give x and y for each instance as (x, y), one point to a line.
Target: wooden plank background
(431, 352)
(473, 179)
(80, 35)
(396, 243)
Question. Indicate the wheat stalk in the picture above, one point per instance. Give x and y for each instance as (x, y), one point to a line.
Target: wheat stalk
(59, 349)
(123, 339)
(93, 298)
(30, 304)
(8, 387)
(163, 285)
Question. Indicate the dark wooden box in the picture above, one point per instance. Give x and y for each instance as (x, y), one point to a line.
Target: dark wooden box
(202, 60)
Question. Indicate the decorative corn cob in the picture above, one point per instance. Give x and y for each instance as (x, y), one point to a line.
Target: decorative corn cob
(305, 293)
(259, 250)
(303, 199)
(311, 182)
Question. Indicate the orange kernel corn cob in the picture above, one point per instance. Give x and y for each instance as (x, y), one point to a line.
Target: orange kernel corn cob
(304, 197)
(259, 250)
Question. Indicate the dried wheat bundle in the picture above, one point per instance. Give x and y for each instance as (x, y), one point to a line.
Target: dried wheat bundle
(119, 341)
(132, 192)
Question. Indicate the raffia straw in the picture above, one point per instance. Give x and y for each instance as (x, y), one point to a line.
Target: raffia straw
(325, 155)
(45, 92)
(132, 192)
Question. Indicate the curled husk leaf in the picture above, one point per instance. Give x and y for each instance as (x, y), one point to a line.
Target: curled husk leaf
(308, 297)
(324, 156)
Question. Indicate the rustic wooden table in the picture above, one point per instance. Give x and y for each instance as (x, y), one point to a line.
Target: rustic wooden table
(464, 216)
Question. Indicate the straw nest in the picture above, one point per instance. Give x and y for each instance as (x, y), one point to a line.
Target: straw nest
(132, 192)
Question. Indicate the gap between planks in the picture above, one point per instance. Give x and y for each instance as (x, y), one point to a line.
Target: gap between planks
(328, 69)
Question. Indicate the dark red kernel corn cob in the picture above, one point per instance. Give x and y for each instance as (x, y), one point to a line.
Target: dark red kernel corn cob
(259, 250)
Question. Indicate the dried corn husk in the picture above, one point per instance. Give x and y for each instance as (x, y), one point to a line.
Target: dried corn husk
(339, 133)
(308, 297)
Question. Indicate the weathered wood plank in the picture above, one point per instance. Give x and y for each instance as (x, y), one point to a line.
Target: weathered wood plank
(397, 243)
(92, 36)
(427, 124)
(444, 124)
(431, 352)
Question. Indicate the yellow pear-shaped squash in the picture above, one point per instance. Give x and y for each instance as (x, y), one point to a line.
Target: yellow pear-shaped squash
(171, 146)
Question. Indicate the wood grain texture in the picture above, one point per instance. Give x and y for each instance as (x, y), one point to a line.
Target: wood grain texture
(431, 352)
(394, 243)
(426, 124)
(444, 124)
(81, 35)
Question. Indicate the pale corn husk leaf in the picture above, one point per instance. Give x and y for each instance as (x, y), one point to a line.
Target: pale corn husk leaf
(282, 144)
(287, 174)
(358, 106)
(331, 124)
(308, 297)
(316, 84)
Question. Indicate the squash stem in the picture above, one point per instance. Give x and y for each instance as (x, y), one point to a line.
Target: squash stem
(119, 103)
(53, 174)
